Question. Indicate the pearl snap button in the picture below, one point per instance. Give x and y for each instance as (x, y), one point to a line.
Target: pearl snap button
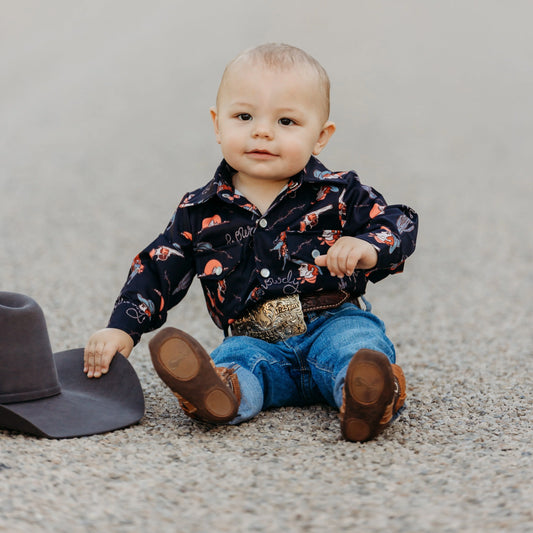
(315, 253)
(265, 272)
(263, 223)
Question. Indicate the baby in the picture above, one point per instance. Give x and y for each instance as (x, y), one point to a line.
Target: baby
(284, 249)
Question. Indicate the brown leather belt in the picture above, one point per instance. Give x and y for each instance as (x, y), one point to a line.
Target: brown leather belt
(280, 318)
(321, 301)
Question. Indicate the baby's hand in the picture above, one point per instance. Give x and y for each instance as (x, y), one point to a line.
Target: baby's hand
(102, 347)
(347, 254)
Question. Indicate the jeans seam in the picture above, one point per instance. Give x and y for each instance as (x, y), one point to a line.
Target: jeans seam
(270, 363)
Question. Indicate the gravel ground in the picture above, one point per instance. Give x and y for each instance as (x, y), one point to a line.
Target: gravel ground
(105, 125)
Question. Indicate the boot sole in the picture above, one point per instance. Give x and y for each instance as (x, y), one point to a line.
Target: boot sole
(369, 389)
(185, 367)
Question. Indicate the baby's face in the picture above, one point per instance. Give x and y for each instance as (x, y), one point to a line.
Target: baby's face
(269, 121)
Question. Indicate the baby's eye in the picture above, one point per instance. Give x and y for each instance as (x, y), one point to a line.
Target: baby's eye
(244, 116)
(286, 121)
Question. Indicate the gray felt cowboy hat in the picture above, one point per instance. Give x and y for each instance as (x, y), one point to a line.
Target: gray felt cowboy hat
(48, 394)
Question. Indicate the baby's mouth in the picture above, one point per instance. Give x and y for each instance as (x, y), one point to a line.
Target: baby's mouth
(259, 153)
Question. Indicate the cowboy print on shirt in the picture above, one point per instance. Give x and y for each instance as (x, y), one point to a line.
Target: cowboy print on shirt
(243, 257)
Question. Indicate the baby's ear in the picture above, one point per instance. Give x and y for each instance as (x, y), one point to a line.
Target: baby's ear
(214, 118)
(325, 135)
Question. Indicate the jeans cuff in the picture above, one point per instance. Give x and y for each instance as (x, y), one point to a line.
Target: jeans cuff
(251, 394)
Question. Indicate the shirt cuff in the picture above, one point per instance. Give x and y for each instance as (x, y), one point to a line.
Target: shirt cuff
(131, 319)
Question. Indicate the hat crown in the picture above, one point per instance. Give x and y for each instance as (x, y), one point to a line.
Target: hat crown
(27, 366)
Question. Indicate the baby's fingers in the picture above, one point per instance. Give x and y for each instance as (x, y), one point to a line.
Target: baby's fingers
(321, 260)
(92, 358)
(351, 261)
(336, 263)
(106, 357)
(340, 260)
(88, 359)
(329, 261)
(97, 358)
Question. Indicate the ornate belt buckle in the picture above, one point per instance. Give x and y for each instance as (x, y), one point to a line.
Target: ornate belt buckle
(273, 321)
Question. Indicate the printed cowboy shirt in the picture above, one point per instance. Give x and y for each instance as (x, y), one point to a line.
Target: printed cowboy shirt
(243, 257)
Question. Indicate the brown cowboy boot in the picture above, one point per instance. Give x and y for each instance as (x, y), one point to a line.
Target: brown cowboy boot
(205, 392)
(374, 391)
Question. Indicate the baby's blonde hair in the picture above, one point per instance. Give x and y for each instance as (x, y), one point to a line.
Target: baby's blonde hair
(282, 56)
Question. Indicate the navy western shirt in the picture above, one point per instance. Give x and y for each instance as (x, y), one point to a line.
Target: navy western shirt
(243, 257)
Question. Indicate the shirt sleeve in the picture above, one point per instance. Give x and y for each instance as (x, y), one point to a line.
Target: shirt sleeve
(158, 279)
(390, 229)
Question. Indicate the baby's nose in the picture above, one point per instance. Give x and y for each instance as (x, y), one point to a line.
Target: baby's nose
(262, 129)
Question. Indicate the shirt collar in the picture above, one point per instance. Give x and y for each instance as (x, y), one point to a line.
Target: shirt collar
(221, 184)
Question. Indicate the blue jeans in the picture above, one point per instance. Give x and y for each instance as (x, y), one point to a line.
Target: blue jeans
(304, 369)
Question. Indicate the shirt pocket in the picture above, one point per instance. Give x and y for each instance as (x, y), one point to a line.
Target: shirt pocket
(305, 247)
(216, 263)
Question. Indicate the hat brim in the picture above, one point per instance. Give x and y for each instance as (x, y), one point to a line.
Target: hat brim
(84, 406)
